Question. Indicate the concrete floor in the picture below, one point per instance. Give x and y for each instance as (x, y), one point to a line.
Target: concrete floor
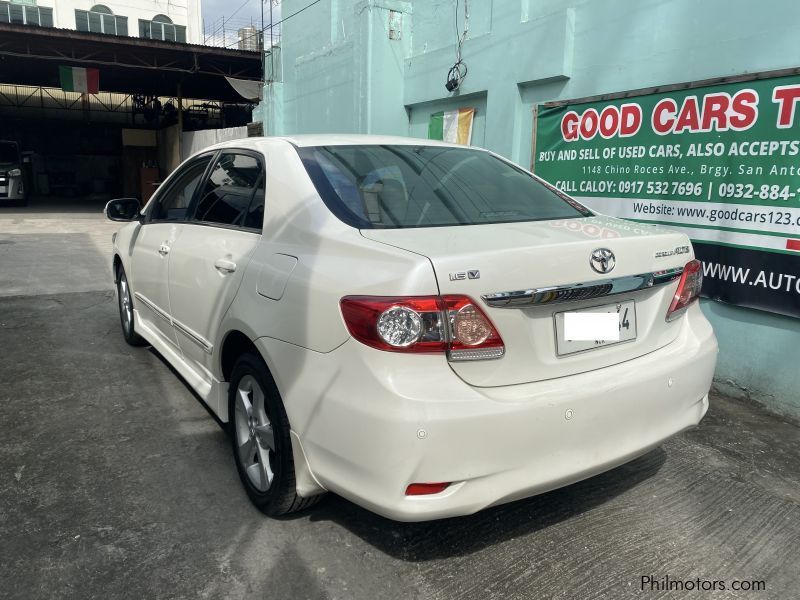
(115, 482)
(55, 247)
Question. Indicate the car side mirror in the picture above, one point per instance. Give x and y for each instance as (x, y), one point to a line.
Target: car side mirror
(123, 209)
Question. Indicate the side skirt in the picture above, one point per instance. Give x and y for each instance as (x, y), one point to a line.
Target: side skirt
(214, 393)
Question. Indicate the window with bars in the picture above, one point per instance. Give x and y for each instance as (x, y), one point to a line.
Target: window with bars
(26, 15)
(100, 19)
(162, 28)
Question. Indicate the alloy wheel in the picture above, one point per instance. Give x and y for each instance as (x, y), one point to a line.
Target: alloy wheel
(125, 304)
(255, 439)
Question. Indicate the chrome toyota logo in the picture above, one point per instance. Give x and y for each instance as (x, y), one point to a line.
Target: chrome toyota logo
(603, 260)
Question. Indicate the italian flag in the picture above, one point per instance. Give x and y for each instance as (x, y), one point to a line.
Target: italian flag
(78, 79)
(452, 126)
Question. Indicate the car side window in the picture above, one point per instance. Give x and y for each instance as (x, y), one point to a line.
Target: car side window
(254, 219)
(172, 205)
(229, 190)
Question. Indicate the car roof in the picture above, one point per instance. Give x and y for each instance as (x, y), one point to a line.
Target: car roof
(333, 139)
(336, 139)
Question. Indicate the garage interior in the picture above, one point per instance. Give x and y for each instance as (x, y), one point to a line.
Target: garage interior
(122, 141)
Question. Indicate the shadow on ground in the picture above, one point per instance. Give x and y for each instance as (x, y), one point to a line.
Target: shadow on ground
(462, 536)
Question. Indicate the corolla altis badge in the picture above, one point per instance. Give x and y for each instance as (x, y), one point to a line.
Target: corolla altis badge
(678, 250)
(460, 275)
(602, 260)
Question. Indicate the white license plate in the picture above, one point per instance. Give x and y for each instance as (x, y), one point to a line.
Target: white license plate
(626, 318)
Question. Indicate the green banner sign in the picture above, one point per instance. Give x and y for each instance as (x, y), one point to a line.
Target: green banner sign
(721, 163)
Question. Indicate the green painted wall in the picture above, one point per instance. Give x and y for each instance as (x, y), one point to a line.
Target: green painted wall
(379, 66)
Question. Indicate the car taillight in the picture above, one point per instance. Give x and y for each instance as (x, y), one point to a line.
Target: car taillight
(451, 324)
(426, 489)
(688, 289)
(472, 336)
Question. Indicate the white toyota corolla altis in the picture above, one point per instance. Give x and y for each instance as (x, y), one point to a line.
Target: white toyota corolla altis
(425, 329)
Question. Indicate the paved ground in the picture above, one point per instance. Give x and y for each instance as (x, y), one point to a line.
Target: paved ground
(54, 248)
(116, 483)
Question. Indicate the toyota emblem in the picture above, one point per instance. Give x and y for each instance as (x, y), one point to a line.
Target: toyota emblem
(602, 260)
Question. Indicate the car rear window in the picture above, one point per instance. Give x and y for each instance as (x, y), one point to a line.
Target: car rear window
(407, 186)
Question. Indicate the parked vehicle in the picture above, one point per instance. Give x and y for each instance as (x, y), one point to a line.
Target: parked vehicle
(394, 320)
(12, 188)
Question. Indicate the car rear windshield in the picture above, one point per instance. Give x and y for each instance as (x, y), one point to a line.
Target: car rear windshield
(8, 153)
(399, 186)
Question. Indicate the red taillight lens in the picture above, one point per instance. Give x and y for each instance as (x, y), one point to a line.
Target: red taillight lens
(395, 324)
(425, 489)
(688, 289)
(424, 324)
(472, 336)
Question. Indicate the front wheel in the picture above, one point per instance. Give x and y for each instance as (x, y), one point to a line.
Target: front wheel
(126, 316)
(262, 447)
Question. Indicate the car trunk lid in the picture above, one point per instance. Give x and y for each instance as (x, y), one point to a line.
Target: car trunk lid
(492, 263)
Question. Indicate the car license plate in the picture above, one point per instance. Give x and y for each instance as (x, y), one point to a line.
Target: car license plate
(626, 320)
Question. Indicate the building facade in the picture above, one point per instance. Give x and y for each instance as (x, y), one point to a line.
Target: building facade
(380, 66)
(166, 20)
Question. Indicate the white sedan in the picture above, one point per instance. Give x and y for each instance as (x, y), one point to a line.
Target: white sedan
(423, 328)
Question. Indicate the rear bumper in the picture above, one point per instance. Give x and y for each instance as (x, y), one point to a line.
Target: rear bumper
(373, 422)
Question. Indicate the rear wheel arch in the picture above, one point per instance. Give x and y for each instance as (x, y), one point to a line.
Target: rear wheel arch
(235, 344)
(266, 456)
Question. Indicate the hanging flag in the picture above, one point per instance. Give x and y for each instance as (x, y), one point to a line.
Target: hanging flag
(78, 79)
(452, 126)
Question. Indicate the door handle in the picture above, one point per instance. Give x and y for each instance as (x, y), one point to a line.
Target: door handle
(163, 249)
(225, 266)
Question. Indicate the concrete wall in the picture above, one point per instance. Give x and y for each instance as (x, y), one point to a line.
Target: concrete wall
(347, 65)
(182, 12)
(169, 148)
(193, 142)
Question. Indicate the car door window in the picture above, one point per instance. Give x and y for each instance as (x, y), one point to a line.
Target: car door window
(229, 190)
(254, 219)
(172, 205)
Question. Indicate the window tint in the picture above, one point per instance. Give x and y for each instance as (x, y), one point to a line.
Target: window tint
(162, 28)
(372, 187)
(173, 204)
(100, 20)
(229, 189)
(25, 15)
(45, 17)
(254, 219)
(95, 22)
(16, 13)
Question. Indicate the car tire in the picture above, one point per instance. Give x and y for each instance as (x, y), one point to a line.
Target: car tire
(262, 447)
(126, 314)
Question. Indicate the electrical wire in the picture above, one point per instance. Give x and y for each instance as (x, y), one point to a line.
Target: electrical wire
(214, 28)
(286, 18)
(245, 3)
(457, 73)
